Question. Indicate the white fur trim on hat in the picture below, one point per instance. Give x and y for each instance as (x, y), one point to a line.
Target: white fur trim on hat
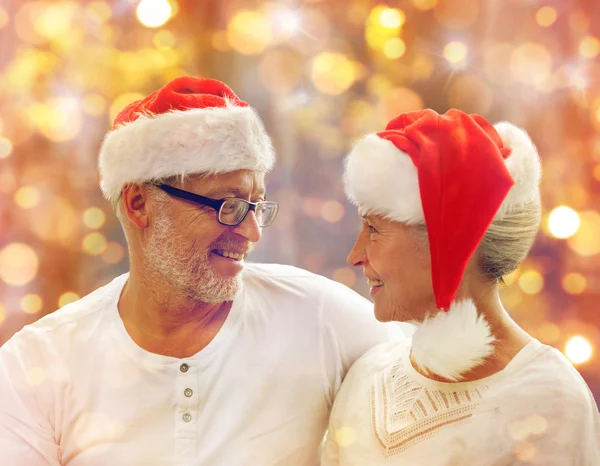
(196, 141)
(523, 165)
(382, 180)
(449, 344)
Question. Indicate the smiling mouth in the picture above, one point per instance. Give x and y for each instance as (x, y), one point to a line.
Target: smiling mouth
(229, 255)
(374, 283)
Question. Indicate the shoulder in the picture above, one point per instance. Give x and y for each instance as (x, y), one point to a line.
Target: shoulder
(379, 357)
(57, 329)
(549, 383)
(294, 281)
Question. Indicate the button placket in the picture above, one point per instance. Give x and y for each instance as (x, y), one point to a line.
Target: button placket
(186, 410)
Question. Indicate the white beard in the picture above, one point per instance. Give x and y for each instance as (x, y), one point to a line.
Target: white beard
(187, 268)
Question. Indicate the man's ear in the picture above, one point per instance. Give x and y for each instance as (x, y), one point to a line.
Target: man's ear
(134, 202)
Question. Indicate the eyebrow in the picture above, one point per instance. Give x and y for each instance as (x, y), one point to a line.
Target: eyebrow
(225, 190)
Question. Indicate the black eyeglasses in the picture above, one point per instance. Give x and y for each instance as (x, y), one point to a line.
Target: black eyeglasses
(231, 211)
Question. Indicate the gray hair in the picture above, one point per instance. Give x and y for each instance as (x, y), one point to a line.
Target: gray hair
(158, 195)
(508, 241)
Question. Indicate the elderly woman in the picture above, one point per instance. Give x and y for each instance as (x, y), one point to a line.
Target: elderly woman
(450, 204)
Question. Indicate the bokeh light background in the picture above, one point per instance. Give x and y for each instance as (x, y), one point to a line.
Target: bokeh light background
(321, 74)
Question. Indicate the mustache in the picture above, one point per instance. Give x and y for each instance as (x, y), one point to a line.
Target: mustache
(237, 247)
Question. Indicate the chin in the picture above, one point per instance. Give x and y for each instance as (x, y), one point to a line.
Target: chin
(382, 314)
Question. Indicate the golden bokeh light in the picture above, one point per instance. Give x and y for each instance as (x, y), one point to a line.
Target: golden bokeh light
(546, 16)
(6, 147)
(563, 222)
(332, 211)
(382, 24)
(394, 48)
(332, 73)
(56, 222)
(531, 282)
(67, 297)
(589, 47)
(456, 52)
(531, 63)
(578, 349)
(4, 18)
(31, 303)
(585, 241)
(99, 11)
(549, 333)
(574, 283)
(94, 217)
(18, 264)
(391, 18)
(27, 197)
(154, 13)
(249, 32)
(164, 39)
(94, 243)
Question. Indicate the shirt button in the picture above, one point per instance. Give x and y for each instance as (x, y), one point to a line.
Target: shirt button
(187, 417)
(188, 392)
(184, 367)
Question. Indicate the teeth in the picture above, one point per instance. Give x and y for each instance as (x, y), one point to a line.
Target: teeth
(374, 282)
(231, 255)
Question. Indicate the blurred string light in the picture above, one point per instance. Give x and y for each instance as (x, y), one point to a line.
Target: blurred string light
(27, 197)
(249, 32)
(589, 47)
(154, 13)
(382, 25)
(18, 264)
(574, 283)
(285, 22)
(585, 241)
(531, 282)
(332, 73)
(563, 222)
(456, 53)
(4, 18)
(578, 349)
(546, 16)
(67, 297)
(6, 147)
(31, 303)
(94, 218)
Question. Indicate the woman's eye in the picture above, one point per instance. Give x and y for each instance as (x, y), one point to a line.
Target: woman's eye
(372, 229)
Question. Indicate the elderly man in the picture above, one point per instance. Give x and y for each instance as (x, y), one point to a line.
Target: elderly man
(193, 357)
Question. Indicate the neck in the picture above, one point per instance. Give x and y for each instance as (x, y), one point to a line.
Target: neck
(509, 337)
(164, 321)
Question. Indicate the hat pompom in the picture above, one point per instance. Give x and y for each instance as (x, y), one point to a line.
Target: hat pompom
(449, 344)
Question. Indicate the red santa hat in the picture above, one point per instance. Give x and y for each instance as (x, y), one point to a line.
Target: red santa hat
(455, 173)
(190, 126)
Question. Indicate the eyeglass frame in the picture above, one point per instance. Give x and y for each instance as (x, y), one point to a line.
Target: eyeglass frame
(215, 204)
